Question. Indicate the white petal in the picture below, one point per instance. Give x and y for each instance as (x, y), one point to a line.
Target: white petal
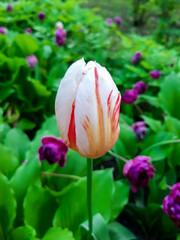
(66, 96)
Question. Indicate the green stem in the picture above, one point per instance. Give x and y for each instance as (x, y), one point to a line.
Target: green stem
(1, 233)
(61, 175)
(161, 143)
(117, 156)
(89, 194)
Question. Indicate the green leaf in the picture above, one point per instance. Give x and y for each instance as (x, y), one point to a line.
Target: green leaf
(155, 125)
(23, 46)
(7, 206)
(40, 89)
(8, 162)
(18, 142)
(26, 124)
(170, 95)
(22, 233)
(71, 212)
(100, 231)
(39, 209)
(118, 231)
(58, 233)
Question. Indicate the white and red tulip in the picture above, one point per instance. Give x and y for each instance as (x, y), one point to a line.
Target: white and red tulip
(87, 109)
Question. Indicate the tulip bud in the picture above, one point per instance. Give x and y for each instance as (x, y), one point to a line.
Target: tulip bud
(87, 109)
(139, 129)
(41, 16)
(136, 57)
(60, 35)
(171, 204)
(9, 8)
(53, 150)
(118, 20)
(28, 30)
(140, 87)
(155, 74)
(130, 96)
(2, 30)
(32, 60)
(139, 171)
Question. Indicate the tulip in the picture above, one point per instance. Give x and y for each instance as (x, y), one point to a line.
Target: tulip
(171, 204)
(32, 60)
(139, 171)
(41, 16)
(87, 109)
(28, 30)
(109, 21)
(118, 20)
(3, 30)
(139, 129)
(9, 8)
(53, 150)
(136, 57)
(140, 87)
(130, 96)
(60, 37)
(155, 74)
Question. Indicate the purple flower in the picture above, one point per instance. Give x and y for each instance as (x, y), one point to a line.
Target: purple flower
(130, 96)
(140, 130)
(155, 74)
(171, 204)
(140, 87)
(28, 30)
(9, 8)
(136, 57)
(60, 36)
(41, 16)
(139, 171)
(118, 20)
(2, 30)
(109, 21)
(32, 60)
(53, 150)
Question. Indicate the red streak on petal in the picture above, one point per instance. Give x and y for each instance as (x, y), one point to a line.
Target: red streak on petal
(72, 130)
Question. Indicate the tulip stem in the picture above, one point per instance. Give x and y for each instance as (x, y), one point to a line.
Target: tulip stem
(89, 194)
(117, 156)
(138, 108)
(168, 186)
(61, 175)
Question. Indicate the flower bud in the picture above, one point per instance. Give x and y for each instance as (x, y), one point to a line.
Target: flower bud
(130, 96)
(60, 35)
(53, 150)
(87, 109)
(9, 8)
(171, 204)
(139, 171)
(28, 30)
(3, 30)
(155, 74)
(32, 60)
(118, 20)
(109, 21)
(41, 16)
(140, 130)
(140, 87)
(136, 57)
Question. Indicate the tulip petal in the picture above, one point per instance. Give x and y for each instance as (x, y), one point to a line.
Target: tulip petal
(65, 99)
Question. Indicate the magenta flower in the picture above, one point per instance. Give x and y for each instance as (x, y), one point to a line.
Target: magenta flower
(9, 8)
(41, 16)
(136, 57)
(32, 60)
(2, 30)
(130, 96)
(60, 37)
(171, 204)
(139, 129)
(139, 171)
(140, 87)
(53, 150)
(28, 30)
(155, 74)
(118, 20)
(109, 21)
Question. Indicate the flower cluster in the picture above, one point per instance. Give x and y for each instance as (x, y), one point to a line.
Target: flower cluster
(53, 150)
(117, 20)
(171, 204)
(139, 129)
(139, 171)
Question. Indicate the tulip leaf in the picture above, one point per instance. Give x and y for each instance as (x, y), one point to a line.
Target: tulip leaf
(155, 125)
(22, 233)
(39, 209)
(7, 206)
(58, 233)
